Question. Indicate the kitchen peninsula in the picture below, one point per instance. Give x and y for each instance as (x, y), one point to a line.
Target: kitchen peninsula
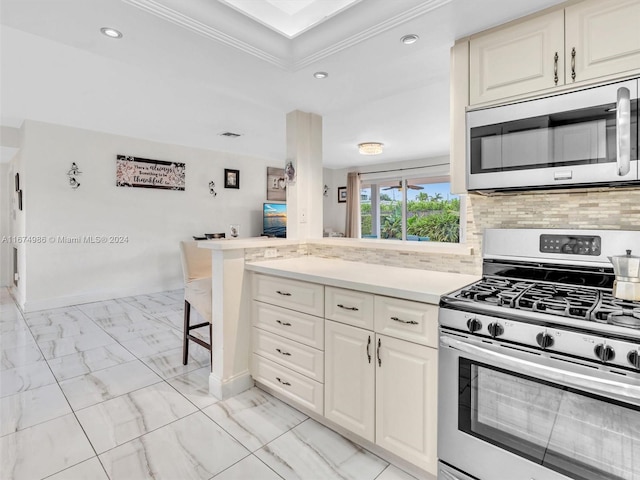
(350, 343)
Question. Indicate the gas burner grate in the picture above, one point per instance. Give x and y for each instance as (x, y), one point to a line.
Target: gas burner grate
(615, 311)
(496, 291)
(567, 301)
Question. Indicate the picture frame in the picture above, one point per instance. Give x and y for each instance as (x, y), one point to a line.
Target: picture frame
(342, 194)
(276, 185)
(231, 178)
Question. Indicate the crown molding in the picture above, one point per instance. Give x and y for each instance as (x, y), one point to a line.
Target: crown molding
(289, 64)
(200, 28)
(392, 22)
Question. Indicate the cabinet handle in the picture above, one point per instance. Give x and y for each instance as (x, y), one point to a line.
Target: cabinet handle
(354, 309)
(286, 354)
(283, 383)
(408, 322)
(555, 68)
(573, 64)
(368, 352)
(378, 353)
(284, 324)
(286, 294)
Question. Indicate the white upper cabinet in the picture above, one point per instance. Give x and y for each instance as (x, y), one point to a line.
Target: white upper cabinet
(602, 37)
(521, 58)
(584, 41)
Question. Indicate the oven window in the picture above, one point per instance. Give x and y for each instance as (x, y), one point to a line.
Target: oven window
(579, 137)
(583, 436)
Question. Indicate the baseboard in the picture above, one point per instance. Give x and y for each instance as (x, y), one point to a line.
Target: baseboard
(67, 301)
(231, 387)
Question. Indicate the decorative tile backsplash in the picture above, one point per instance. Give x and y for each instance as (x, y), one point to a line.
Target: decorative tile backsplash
(614, 209)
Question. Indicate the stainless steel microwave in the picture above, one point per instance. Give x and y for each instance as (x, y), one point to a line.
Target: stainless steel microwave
(585, 137)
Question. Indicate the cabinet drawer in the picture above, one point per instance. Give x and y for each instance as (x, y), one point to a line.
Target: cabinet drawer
(301, 358)
(407, 320)
(301, 296)
(300, 327)
(308, 393)
(349, 306)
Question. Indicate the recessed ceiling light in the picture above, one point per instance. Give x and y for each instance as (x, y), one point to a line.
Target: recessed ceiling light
(409, 39)
(321, 74)
(111, 32)
(370, 148)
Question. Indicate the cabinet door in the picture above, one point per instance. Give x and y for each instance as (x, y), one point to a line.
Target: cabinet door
(517, 59)
(406, 393)
(350, 378)
(602, 38)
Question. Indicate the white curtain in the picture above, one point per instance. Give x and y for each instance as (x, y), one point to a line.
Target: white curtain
(352, 228)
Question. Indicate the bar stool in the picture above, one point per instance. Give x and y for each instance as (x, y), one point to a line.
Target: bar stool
(196, 268)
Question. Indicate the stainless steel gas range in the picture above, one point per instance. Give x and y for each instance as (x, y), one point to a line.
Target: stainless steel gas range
(539, 366)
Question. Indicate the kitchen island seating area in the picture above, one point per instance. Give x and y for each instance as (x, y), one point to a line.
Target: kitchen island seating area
(107, 379)
(196, 269)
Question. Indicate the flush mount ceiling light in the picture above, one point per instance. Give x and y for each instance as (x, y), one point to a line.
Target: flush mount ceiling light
(111, 32)
(321, 74)
(409, 39)
(370, 148)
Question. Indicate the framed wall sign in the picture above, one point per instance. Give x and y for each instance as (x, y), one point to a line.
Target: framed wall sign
(231, 178)
(146, 173)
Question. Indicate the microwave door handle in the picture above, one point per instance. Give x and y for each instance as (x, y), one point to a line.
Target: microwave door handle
(626, 392)
(623, 131)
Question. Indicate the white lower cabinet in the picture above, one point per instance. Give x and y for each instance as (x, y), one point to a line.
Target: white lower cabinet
(350, 378)
(406, 409)
(384, 390)
(369, 365)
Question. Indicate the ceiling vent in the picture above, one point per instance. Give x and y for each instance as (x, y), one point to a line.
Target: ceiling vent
(230, 134)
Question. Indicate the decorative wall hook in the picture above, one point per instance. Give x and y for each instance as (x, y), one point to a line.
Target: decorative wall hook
(211, 189)
(72, 174)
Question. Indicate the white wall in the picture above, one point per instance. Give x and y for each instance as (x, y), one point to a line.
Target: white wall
(152, 220)
(334, 213)
(6, 190)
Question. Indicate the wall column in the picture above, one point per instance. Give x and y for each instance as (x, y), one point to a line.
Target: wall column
(304, 198)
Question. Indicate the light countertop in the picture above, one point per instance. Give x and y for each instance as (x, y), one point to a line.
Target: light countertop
(408, 283)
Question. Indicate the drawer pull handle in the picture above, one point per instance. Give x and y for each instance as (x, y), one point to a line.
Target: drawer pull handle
(408, 322)
(378, 353)
(573, 64)
(286, 354)
(283, 383)
(286, 294)
(555, 69)
(368, 352)
(284, 324)
(353, 309)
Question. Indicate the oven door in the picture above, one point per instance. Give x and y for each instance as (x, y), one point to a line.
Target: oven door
(524, 415)
(584, 137)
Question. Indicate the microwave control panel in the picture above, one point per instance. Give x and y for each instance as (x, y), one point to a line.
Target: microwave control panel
(571, 244)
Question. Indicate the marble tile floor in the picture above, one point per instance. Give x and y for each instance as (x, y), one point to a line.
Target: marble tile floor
(98, 391)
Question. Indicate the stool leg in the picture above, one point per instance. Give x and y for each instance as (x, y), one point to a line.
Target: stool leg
(185, 340)
(210, 345)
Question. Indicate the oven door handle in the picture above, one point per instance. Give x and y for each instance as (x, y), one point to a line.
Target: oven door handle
(626, 392)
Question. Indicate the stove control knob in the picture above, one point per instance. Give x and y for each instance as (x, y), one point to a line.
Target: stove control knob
(544, 340)
(473, 324)
(495, 329)
(604, 352)
(634, 359)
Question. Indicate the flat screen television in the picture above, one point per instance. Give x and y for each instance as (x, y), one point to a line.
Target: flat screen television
(274, 220)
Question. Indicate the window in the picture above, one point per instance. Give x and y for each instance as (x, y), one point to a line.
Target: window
(410, 208)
